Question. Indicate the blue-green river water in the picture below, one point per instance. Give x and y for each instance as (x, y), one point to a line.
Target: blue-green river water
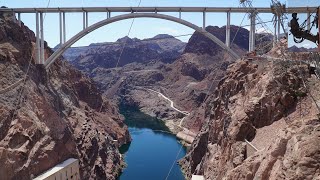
(151, 153)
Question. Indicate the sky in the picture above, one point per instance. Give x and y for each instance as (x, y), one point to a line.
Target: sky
(142, 28)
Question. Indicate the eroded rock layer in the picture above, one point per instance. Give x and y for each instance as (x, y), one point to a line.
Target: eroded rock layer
(268, 104)
(53, 115)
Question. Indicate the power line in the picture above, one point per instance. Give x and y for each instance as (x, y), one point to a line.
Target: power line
(127, 36)
(238, 29)
(24, 80)
(257, 23)
(188, 132)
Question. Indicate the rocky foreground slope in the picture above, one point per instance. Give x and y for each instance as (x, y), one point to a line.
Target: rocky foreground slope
(53, 115)
(272, 104)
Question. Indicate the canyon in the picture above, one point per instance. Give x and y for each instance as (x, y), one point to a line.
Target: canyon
(269, 102)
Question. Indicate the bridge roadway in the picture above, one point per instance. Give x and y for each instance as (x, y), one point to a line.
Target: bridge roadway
(157, 9)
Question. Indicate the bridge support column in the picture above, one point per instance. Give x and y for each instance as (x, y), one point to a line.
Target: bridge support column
(275, 31)
(180, 13)
(204, 20)
(252, 35)
(87, 20)
(19, 19)
(62, 22)
(42, 39)
(14, 16)
(308, 21)
(228, 30)
(64, 26)
(279, 26)
(37, 53)
(84, 19)
(108, 14)
(60, 28)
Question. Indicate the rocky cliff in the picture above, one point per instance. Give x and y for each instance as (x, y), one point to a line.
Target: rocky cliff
(200, 44)
(272, 104)
(199, 69)
(52, 115)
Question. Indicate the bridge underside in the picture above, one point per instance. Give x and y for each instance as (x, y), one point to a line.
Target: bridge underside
(87, 29)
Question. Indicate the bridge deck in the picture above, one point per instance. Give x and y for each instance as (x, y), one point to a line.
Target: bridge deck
(155, 9)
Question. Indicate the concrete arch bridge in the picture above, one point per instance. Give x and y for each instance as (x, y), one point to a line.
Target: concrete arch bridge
(139, 12)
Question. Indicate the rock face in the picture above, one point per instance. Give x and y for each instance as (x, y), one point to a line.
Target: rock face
(250, 98)
(200, 44)
(73, 52)
(53, 115)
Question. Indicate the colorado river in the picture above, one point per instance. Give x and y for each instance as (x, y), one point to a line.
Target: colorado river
(151, 153)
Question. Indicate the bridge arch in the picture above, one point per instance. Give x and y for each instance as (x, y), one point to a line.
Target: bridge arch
(99, 24)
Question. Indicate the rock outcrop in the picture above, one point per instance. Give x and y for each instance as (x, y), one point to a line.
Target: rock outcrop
(199, 44)
(52, 115)
(252, 97)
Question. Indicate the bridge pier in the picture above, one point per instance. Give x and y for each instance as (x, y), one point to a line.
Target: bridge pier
(279, 26)
(228, 30)
(14, 16)
(42, 39)
(275, 31)
(19, 19)
(308, 23)
(39, 39)
(204, 20)
(37, 53)
(60, 28)
(64, 26)
(85, 19)
(252, 34)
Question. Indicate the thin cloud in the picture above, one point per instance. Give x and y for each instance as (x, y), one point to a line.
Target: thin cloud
(168, 30)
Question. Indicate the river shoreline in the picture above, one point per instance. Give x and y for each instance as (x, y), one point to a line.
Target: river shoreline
(152, 128)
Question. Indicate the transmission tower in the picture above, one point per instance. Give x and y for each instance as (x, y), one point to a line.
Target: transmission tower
(264, 31)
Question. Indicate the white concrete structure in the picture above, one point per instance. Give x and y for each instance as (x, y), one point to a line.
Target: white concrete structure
(197, 177)
(252, 33)
(228, 30)
(67, 170)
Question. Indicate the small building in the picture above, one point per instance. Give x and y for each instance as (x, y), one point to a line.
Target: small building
(197, 177)
(67, 170)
